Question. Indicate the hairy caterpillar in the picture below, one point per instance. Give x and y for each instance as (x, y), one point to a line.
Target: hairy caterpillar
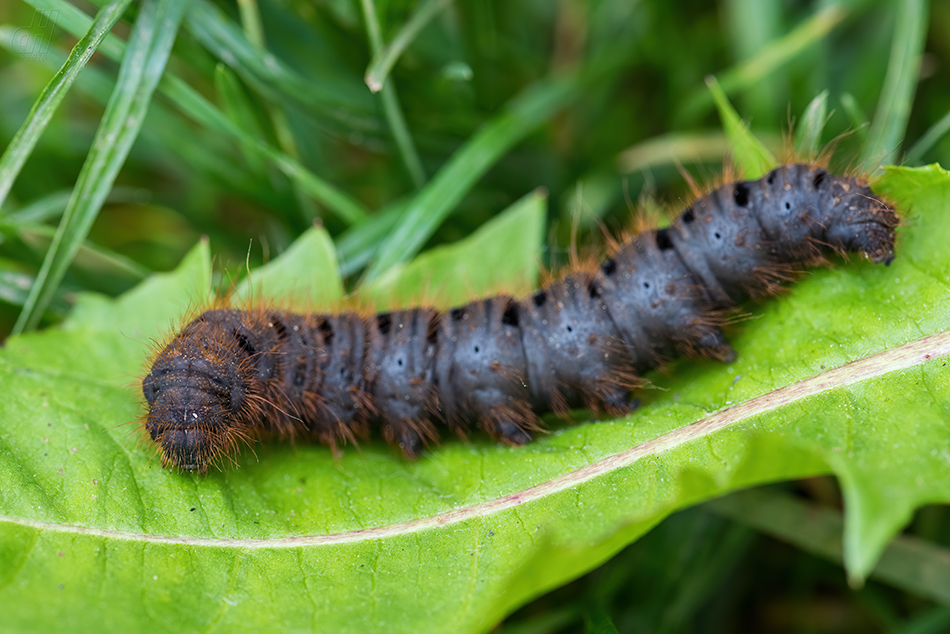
(582, 340)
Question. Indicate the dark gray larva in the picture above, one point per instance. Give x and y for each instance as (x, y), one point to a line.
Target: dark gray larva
(582, 340)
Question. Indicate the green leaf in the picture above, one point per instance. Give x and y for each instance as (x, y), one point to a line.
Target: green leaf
(29, 133)
(305, 276)
(752, 157)
(453, 275)
(142, 66)
(847, 374)
(151, 310)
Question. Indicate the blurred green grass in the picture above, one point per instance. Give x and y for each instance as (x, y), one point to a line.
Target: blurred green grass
(263, 125)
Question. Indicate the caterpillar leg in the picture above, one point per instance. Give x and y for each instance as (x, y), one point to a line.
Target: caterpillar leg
(713, 344)
(514, 426)
(410, 436)
(616, 400)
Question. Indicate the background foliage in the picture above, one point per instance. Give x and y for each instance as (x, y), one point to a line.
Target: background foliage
(262, 125)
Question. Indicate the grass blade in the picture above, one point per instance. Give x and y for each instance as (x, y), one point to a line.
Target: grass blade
(597, 621)
(385, 58)
(930, 139)
(752, 26)
(190, 152)
(400, 132)
(329, 100)
(39, 211)
(29, 133)
(391, 108)
(933, 621)
(808, 134)
(675, 147)
(68, 17)
(239, 110)
(251, 21)
(15, 283)
(917, 566)
(356, 246)
(90, 257)
(149, 47)
(768, 60)
(201, 110)
(751, 156)
(53, 205)
(859, 120)
(430, 207)
(897, 94)
(512, 238)
(196, 106)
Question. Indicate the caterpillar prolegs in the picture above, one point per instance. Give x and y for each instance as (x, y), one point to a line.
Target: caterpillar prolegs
(496, 363)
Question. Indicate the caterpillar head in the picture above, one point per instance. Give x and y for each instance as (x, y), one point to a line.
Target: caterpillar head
(197, 395)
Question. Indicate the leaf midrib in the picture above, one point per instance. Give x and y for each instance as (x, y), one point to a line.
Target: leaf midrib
(902, 357)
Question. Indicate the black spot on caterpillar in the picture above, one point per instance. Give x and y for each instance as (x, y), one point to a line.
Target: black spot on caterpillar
(581, 340)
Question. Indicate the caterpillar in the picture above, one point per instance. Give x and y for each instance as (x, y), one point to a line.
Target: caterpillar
(583, 340)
